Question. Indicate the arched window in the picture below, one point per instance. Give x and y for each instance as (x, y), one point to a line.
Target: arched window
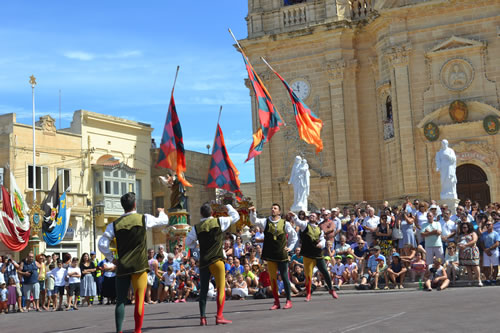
(388, 108)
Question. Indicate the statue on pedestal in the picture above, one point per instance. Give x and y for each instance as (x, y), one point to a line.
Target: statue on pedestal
(178, 199)
(299, 178)
(446, 164)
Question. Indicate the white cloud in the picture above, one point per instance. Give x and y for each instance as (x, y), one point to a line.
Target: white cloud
(87, 56)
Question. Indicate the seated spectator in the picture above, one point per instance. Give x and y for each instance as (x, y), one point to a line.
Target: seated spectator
(250, 279)
(395, 272)
(298, 278)
(342, 248)
(237, 268)
(360, 254)
(258, 252)
(265, 281)
(240, 289)
(168, 286)
(351, 270)
(436, 276)
(229, 263)
(329, 250)
(376, 266)
(183, 289)
(171, 262)
(418, 267)
(337, 272)
(297, 258)
(451, 262)
(229, 285)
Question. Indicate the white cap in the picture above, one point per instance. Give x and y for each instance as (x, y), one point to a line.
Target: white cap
(433, 207)
(335, 209)
(328, 211)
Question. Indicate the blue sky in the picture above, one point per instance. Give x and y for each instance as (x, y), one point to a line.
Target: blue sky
(119, 58)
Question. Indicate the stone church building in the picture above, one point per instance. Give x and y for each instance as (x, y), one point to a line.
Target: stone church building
(390, 80)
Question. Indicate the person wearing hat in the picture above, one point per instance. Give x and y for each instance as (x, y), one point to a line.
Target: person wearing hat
(351, 269)
(279, 238)
(431, 232)
(374, 270)
(338, 272)
(395, 272)
(132, 263)
(313, 241)
(209, 233)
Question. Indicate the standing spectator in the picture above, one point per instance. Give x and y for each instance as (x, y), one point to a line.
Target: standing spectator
(4, 293)
(407, 225)
(59, 273)
(238, 249)
(259, 236)
(436, 276)
(338, 223)
(12, 297)
(490, 241)
(328, 228)
(108, 285)
(153, 268)
(468, 251)
(370, 224)
(42, 272)
(384, 236)
(431, 232)
(74, 274)
(29, 270)
(50, 288)
(98, 276)
(88, 286)
(448, 228)
(421, 218)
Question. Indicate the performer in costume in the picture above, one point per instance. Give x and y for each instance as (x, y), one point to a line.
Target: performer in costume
(132, 263)
(312, 243)
(276, 249)
(210, 235)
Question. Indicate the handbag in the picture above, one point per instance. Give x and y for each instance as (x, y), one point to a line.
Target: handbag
(397, 233)
(151, 278)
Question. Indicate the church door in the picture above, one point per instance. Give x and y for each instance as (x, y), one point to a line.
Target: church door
(472, 184)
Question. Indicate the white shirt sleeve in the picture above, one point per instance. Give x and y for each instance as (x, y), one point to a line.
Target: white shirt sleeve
(105, 240)
(226, 221)
(322, 240)
(298, 222)
(261, 223)
(152, 221)
(191, 238)
(292, 235)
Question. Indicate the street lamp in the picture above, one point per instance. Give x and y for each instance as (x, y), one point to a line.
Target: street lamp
(97, 210)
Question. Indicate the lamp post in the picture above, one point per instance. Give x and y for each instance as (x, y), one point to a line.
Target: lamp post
(97, 210)
(33, 84)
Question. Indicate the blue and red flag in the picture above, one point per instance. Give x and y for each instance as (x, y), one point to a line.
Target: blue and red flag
(308, 124)
(171, 154)
(269, 118)
(222, 172)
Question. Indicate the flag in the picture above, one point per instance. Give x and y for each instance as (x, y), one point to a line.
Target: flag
(13, 237)
(308, 124)
(50, 205)
(19, 205)
(269, 118)
(171, 154)
(56, 235)
(222, 173)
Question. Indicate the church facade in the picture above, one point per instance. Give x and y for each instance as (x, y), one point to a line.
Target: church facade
(390, 80)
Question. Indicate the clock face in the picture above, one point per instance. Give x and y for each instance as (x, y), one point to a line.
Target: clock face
(301, 89)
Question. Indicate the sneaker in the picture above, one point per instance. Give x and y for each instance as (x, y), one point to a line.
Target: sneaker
(336, 287)
(401, 286)
(177, 301)
(386, 288)
(183, 300)
(480, 284)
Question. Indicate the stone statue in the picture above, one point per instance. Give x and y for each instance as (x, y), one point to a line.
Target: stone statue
(178, 199)
(299, 178)
(446, 164)
(457, 77)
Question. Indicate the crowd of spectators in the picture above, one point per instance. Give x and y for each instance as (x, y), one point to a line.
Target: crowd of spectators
(367, 247)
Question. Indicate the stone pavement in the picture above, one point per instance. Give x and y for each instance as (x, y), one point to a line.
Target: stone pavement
(408, 310)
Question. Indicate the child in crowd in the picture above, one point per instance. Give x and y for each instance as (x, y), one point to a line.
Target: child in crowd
(240, 288)
(182, 290)
(74, 274)
(168, 284)
(338, 272)
(4, 293)
(436, 276)
(59, 273)
(351, 270)
(229, 284)
(451, 262)
(49, 286)
(12, 294)
(418, 267)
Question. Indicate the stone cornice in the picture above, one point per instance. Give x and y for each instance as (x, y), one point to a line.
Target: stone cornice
(335, 69)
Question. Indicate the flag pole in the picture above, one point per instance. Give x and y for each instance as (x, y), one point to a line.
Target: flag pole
(33, 84)
(175, 80)
(236, 41)
(220, 111)
(264, 60)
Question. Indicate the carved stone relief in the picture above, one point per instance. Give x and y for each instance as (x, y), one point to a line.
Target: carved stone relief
(457, 74)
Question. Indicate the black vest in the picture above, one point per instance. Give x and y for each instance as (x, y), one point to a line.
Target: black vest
(275, 241)
(211, 239)
(309, 238)
(131, 243)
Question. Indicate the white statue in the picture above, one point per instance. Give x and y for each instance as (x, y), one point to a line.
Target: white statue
(446, 164)
(299, 178)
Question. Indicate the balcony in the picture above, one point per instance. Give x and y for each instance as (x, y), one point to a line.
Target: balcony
(76, 201)
(294, 15)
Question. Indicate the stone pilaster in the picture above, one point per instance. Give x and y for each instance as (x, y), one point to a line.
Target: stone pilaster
(399, 59)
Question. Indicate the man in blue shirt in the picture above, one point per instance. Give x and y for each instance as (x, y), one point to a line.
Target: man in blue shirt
(490, 241)
(29, 270)
(237, 268)
(171, 262)
(374, 272)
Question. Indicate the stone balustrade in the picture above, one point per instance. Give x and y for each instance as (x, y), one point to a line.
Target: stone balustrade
(361, 8)
(294, 15)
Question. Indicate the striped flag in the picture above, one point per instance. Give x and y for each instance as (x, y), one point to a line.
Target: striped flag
(308, 124)
(269, 118)
(222, 173)
(15, 238)
(171, 154)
